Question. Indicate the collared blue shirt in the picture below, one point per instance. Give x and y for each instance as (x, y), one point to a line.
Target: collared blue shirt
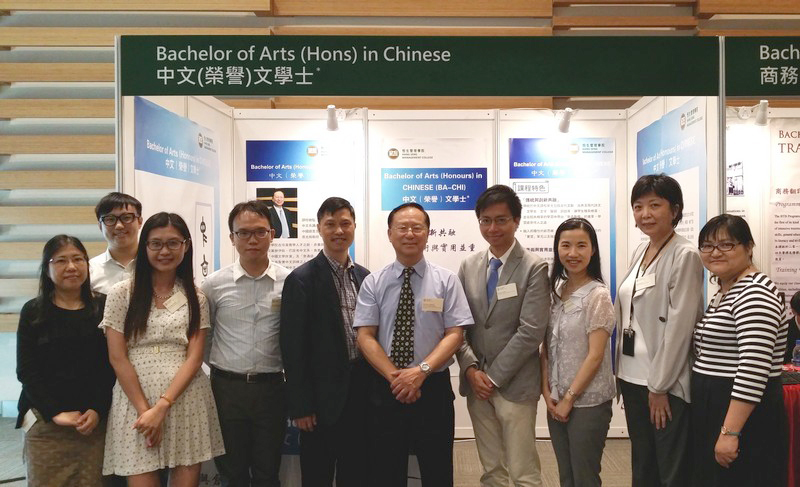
(380, 295)
(245, 318)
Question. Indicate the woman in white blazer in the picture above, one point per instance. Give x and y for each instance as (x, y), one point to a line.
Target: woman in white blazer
(658, 303)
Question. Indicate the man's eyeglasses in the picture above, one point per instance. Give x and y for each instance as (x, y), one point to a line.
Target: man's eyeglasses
(416, 229)
(78, 261)
(172, 244)
(111, 220)
(246, 234)
(499, 221)
(707, 248)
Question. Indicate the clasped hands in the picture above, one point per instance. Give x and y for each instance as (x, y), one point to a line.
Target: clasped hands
(480, 383)
(406, 383)
(150, 422)
(83, 423)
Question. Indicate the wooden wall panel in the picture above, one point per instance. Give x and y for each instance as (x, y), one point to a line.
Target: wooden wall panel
(104, 36)
(56, 108)
(11, 72)
(9, 322)
(255, 6)
(362, 30)
(413, 8)
(57, 180)
(707, 8)
(47, 215)
(57, 144)
(33, 250)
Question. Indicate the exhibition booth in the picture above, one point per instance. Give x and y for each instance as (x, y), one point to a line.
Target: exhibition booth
(183, 150)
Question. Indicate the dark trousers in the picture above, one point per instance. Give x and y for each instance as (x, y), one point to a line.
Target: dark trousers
(658, 457)
(426, 425)
(762, 446)
(579, 443)
(339, 449)
(253, 422)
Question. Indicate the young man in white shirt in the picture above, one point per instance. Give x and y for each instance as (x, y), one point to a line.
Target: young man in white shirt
(119, 217)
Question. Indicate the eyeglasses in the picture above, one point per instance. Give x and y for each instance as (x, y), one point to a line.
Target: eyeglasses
(416, 229)
(78, 261)
(707, 248)
(499, 221)
(170, 244)
(111, 220)
(246, 234)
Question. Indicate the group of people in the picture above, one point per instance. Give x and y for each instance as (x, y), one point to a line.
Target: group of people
(109, 353)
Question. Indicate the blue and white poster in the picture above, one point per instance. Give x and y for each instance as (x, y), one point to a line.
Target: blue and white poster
(675, 145)
(559, 178)
(176, 169)
(299, 175)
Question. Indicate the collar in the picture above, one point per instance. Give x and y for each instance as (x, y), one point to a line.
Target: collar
(503, 258)
(106, 258)
(239, 272)
(419, 268)
(335, 264)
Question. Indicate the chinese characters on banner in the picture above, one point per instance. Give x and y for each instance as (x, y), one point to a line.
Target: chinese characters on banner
(560, 178)
(785, 204)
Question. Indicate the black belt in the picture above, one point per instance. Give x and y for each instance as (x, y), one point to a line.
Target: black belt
(273, 377)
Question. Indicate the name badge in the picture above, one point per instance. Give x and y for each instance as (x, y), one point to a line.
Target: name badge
(28, 420)
(569, 306)
(175, 303)
(507, 291)
(276, 304)
(433, 304)
(646, 281)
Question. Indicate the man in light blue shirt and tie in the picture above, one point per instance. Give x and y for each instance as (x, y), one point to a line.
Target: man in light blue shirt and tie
(410, 317)
(246, 368)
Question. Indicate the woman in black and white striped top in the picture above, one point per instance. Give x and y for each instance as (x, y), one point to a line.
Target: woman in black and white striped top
(737, 398)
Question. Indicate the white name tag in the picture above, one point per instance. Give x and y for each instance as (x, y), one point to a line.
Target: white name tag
(174, 303)
(646, 281)
(569, 306)
(507, 291)
(28, 420)
(433, 304)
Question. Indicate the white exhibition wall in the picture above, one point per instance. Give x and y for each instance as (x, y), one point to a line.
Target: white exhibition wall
(357, 161)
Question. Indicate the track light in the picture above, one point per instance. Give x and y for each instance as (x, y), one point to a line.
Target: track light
(761, 112)
(333, 122)
(564, 119)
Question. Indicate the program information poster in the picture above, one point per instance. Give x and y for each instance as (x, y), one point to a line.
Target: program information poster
(785, 204)
(675, 145)
(559, 178)
(446, 177)
(176, 169)
(306, 172)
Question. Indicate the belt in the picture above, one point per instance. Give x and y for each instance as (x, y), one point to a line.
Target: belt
(250, 378)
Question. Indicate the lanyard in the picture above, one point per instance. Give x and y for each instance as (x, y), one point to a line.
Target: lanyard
(642, 271)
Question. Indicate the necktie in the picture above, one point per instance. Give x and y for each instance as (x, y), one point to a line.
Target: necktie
(491, 283)
(402, 353)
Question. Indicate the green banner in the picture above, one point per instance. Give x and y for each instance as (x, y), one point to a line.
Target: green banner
(762, 66)
(418, 66)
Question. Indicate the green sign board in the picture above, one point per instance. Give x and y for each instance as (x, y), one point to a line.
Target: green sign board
(762, 66)
(418, 66)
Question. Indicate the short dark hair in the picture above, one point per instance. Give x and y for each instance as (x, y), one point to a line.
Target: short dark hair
(255, 206)
(410, 205)
(115, 200)
(662, 186)
(593, 270)
(47, 287)
(499, 193)
(332, 205)
(795, 303)
(735, 226)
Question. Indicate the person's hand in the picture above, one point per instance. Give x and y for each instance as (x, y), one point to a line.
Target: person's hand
(149, 423)
(306, 423)
(549, 402)
(406, 384)
(562, 410)
(660, 411)
(67, 418)
(480, 383)
(726, 450)
(87, 422)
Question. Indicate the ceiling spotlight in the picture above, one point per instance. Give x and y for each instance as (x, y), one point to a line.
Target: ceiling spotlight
(761, 112)
(333, 122)
(564, 119)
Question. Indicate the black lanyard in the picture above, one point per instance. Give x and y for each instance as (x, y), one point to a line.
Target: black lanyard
(642, 271)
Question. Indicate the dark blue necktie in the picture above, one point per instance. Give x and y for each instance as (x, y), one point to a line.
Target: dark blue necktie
(491, 283)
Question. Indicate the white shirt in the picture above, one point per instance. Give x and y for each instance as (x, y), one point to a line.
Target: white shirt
(245, 318)
(104, 272)
(634, 369)
(503, 259)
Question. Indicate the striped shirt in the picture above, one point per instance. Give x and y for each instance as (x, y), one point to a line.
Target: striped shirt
(743, 336)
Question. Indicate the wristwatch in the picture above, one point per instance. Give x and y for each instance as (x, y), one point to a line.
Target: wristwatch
(726, 432)
(425, 368)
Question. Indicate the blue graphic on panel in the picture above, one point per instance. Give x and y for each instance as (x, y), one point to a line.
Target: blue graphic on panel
(433, 188)
(282, 160)
(558, 158)
(674, 143)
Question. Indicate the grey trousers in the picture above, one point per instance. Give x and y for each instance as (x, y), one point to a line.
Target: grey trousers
(579, 443)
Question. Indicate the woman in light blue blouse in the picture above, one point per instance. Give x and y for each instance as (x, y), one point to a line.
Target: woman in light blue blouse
(577, 381)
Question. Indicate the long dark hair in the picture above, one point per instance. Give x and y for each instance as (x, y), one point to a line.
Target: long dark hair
(593, 269)
(47, 287)
(142, 294)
